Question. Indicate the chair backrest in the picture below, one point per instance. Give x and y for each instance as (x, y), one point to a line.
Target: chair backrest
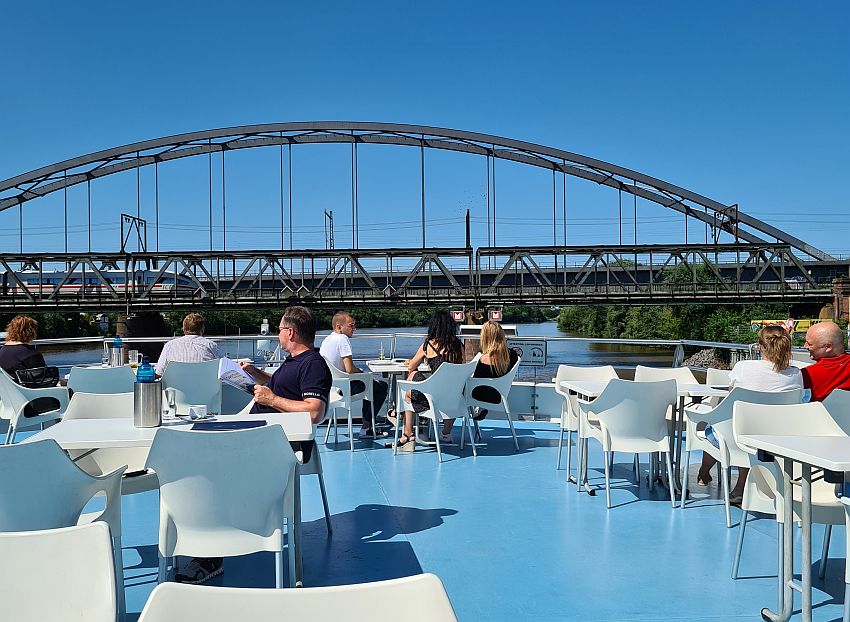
(57, 575)
(100, 406)
(569, 412)
(11, 396)
(446, 386)
(635, 410)
(653, 374)
(717, 377)
(364, 602)
(196, 383)
(721, 418)
(837, 403)
(502, 384)
(101, 379)
(214, 481)
(41, 488)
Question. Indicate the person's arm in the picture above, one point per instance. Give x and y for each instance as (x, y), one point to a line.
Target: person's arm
(349, 367)
(316, 407)
(257, 374)
(415, 362)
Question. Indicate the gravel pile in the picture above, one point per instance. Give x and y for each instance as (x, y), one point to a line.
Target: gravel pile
(707, 358)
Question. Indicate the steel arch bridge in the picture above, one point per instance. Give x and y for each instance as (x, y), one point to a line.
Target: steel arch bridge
(757, 260)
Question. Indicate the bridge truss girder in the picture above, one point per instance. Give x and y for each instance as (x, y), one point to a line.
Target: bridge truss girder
(718, 216)
(546, 275)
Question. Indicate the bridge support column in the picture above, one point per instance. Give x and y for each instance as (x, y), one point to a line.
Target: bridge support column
(841, 295)
(145, 324)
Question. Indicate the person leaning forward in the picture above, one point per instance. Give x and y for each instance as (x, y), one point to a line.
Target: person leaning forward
(303, 381)
(831, 367)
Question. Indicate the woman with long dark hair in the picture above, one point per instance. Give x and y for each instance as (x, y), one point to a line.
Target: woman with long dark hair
(441, 345)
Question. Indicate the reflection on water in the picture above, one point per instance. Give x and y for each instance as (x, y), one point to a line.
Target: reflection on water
(365, 347)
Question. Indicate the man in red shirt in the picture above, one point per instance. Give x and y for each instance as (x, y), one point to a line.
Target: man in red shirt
(831, 368)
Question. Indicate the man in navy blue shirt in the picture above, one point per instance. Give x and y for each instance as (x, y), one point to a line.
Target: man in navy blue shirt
(303, 381)
(301, 384)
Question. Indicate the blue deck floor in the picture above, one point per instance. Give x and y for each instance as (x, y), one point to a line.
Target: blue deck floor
(512, 541)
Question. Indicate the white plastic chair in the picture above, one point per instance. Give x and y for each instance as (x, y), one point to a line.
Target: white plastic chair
(15, 400)
(101, 379)
(653, 374)
(196, 383)
(837, 403)
(41, 488)
(720, 419)
(380, 601)
(56, 575)
(764, 490)
(225, 493)
(343, 399)
(716, 378)
(502, 385)
(631, 418)
(569, 408)
(444, 391)
(110, 406)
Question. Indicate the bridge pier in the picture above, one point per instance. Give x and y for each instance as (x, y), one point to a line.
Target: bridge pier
(841, 295)
(142, 324)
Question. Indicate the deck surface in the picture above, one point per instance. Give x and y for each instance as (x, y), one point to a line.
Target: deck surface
(512, 541)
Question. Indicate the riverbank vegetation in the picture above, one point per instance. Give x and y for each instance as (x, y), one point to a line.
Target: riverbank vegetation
(727, 323)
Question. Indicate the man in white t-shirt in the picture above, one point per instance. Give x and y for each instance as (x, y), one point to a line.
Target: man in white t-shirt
(336, 348)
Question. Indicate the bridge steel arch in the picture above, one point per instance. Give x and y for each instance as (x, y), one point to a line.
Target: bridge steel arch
(720, 217)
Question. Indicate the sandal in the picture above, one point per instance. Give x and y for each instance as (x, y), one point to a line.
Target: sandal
(406, 441)
(446, 439)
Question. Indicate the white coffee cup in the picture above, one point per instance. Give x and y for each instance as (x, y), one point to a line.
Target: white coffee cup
(197, 411)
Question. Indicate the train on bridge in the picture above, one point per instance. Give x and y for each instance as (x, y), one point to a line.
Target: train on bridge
(88, 282)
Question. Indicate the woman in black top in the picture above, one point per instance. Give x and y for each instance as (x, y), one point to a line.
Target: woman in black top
(440, 346)
(497, 359)
(17, 353)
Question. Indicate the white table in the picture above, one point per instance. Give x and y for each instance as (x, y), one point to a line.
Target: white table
(825, 452)
(120, 432)
(594, 388)
(391, 369)
(94, 434)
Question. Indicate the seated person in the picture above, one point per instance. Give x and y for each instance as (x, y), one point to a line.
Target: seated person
(192, 347)
(831, 368)
(441, 345)
(497, 359)
(336, 348)
(773, 372)
(17, 353)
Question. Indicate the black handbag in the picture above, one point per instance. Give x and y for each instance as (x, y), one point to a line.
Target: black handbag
(38, 377)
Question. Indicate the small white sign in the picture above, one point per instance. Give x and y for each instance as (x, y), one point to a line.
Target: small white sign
(531, 351)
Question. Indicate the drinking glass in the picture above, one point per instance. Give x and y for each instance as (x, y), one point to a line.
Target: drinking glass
(134, 357)
(171, 401)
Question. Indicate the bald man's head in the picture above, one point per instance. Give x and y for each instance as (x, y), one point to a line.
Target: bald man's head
(824, 340)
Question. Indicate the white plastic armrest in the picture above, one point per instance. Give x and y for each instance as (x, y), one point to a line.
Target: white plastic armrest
(60, 393)
(111, 514)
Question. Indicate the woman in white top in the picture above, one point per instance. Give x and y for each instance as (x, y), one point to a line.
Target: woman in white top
(773, 372)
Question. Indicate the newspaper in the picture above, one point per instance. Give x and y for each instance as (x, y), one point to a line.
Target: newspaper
(230, 373)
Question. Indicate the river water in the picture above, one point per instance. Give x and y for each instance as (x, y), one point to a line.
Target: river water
(369, 342)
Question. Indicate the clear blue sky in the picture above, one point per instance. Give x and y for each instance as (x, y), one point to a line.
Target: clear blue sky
(742, 102)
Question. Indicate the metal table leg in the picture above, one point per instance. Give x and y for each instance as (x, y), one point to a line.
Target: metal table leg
(299, 561)
(787, 570)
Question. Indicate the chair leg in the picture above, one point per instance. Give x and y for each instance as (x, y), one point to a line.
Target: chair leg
(437, 440)
(652, 460)
(336, 429)
(350, 432)
(672, 482)
(325, 501)
(637, 470)
(291, 553)
(477, 430)
(471, 439)
(328, 430)
(163, 569)
(736, 561)
(846, 617)
(398, 419)
(463, 427)
(779, 566)
(580, 448)
(724, 480)
(607, 481)
(10, 435)
(278, 569)
(685, 479)
(827, 534)
(611, 460)
(560, 449)
(513, 431)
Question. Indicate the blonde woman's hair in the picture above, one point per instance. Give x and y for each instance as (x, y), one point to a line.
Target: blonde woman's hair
(775, 343)
(495, 345)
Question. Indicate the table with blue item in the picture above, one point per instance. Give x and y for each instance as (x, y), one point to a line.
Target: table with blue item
(831, 453)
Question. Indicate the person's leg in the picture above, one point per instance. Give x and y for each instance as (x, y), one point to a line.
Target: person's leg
(447, 426)
(705, 467)
(738, 490)
(358, 387)
(379, 395)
